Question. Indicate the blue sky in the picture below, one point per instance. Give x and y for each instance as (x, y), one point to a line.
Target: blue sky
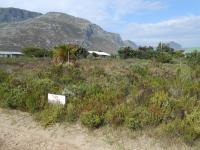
(145, 22)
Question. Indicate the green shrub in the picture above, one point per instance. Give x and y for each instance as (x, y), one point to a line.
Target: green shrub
(159, 107)
(116, 116)
(139, 70)
(93, 89)
(39, 89)
(2, 95)
(71, 75)
(145, 52)
(191, 125)
(162, 47)
(141, 52)
(3, 76)
(91, 119)
(139, 118)
(164, 57)
(35, 52)
(82, 53)
(71, 113)
(50, 115)
(55, 72)
(16, 99)
(193, 58)
(126, 52)
(188, 128)
(179, 54)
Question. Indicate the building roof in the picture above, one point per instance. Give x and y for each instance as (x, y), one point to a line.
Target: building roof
(10, 53)
(99, 53)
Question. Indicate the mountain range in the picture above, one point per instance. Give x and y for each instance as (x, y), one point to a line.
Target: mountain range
(22, 28)
(174, 45)
(8, 15)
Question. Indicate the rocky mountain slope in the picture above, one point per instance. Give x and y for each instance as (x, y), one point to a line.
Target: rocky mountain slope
(13, 15)
(130, 44)
(174, 45)
(55, 28)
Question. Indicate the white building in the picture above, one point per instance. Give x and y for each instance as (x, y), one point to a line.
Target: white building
(7, 54)
(104, 54)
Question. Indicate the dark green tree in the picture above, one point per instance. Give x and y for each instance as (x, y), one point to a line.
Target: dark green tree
(35, 52)
(146, 52)
(81, 53)
(162, 47)
(126, 52)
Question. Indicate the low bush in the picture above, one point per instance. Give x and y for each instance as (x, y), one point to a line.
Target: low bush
(3, 76)
(141, 52)
(71, 113)
(191, 125)
(139, 70)
(160, 107)
(91, 119)
(35, 52)
(188, 128)
(164, 57)
(36, 101)
(116, 116)
(16, 99)
(193, 58)
(139, 118)
(50, 115)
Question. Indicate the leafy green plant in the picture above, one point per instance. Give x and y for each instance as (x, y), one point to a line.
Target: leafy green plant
(139, 118)
(16, 99)
(116, 116)
(139, 70)
(187, 128)
(3, 76)
(91, 119)
(50, 115)
(164, 57)
(71, 113)
(193, 58)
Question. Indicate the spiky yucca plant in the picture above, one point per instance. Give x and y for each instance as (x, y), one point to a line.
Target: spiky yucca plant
(65, 53)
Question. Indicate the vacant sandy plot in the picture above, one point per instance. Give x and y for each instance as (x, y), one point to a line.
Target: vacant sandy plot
(18, 131)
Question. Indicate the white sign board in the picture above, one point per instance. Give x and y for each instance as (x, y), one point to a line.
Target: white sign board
(52, 98)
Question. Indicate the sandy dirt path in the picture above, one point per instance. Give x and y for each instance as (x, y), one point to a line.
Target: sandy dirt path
(18, 131)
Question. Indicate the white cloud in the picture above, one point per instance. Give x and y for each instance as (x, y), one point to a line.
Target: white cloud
(185, 30)
(125, 7)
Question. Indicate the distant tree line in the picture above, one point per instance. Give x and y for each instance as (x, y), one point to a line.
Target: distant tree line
(163, 53)
(36, 52)
(61, 53)
(71, 52)
(141, 52)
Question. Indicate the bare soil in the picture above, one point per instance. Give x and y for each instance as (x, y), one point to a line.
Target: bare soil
(18, 131)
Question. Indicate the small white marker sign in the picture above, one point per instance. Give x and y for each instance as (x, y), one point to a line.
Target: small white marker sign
(52, 98)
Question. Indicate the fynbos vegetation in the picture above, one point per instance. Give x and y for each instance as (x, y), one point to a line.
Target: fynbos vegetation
(132, 93)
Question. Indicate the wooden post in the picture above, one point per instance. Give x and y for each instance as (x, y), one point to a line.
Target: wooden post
(68, 57)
